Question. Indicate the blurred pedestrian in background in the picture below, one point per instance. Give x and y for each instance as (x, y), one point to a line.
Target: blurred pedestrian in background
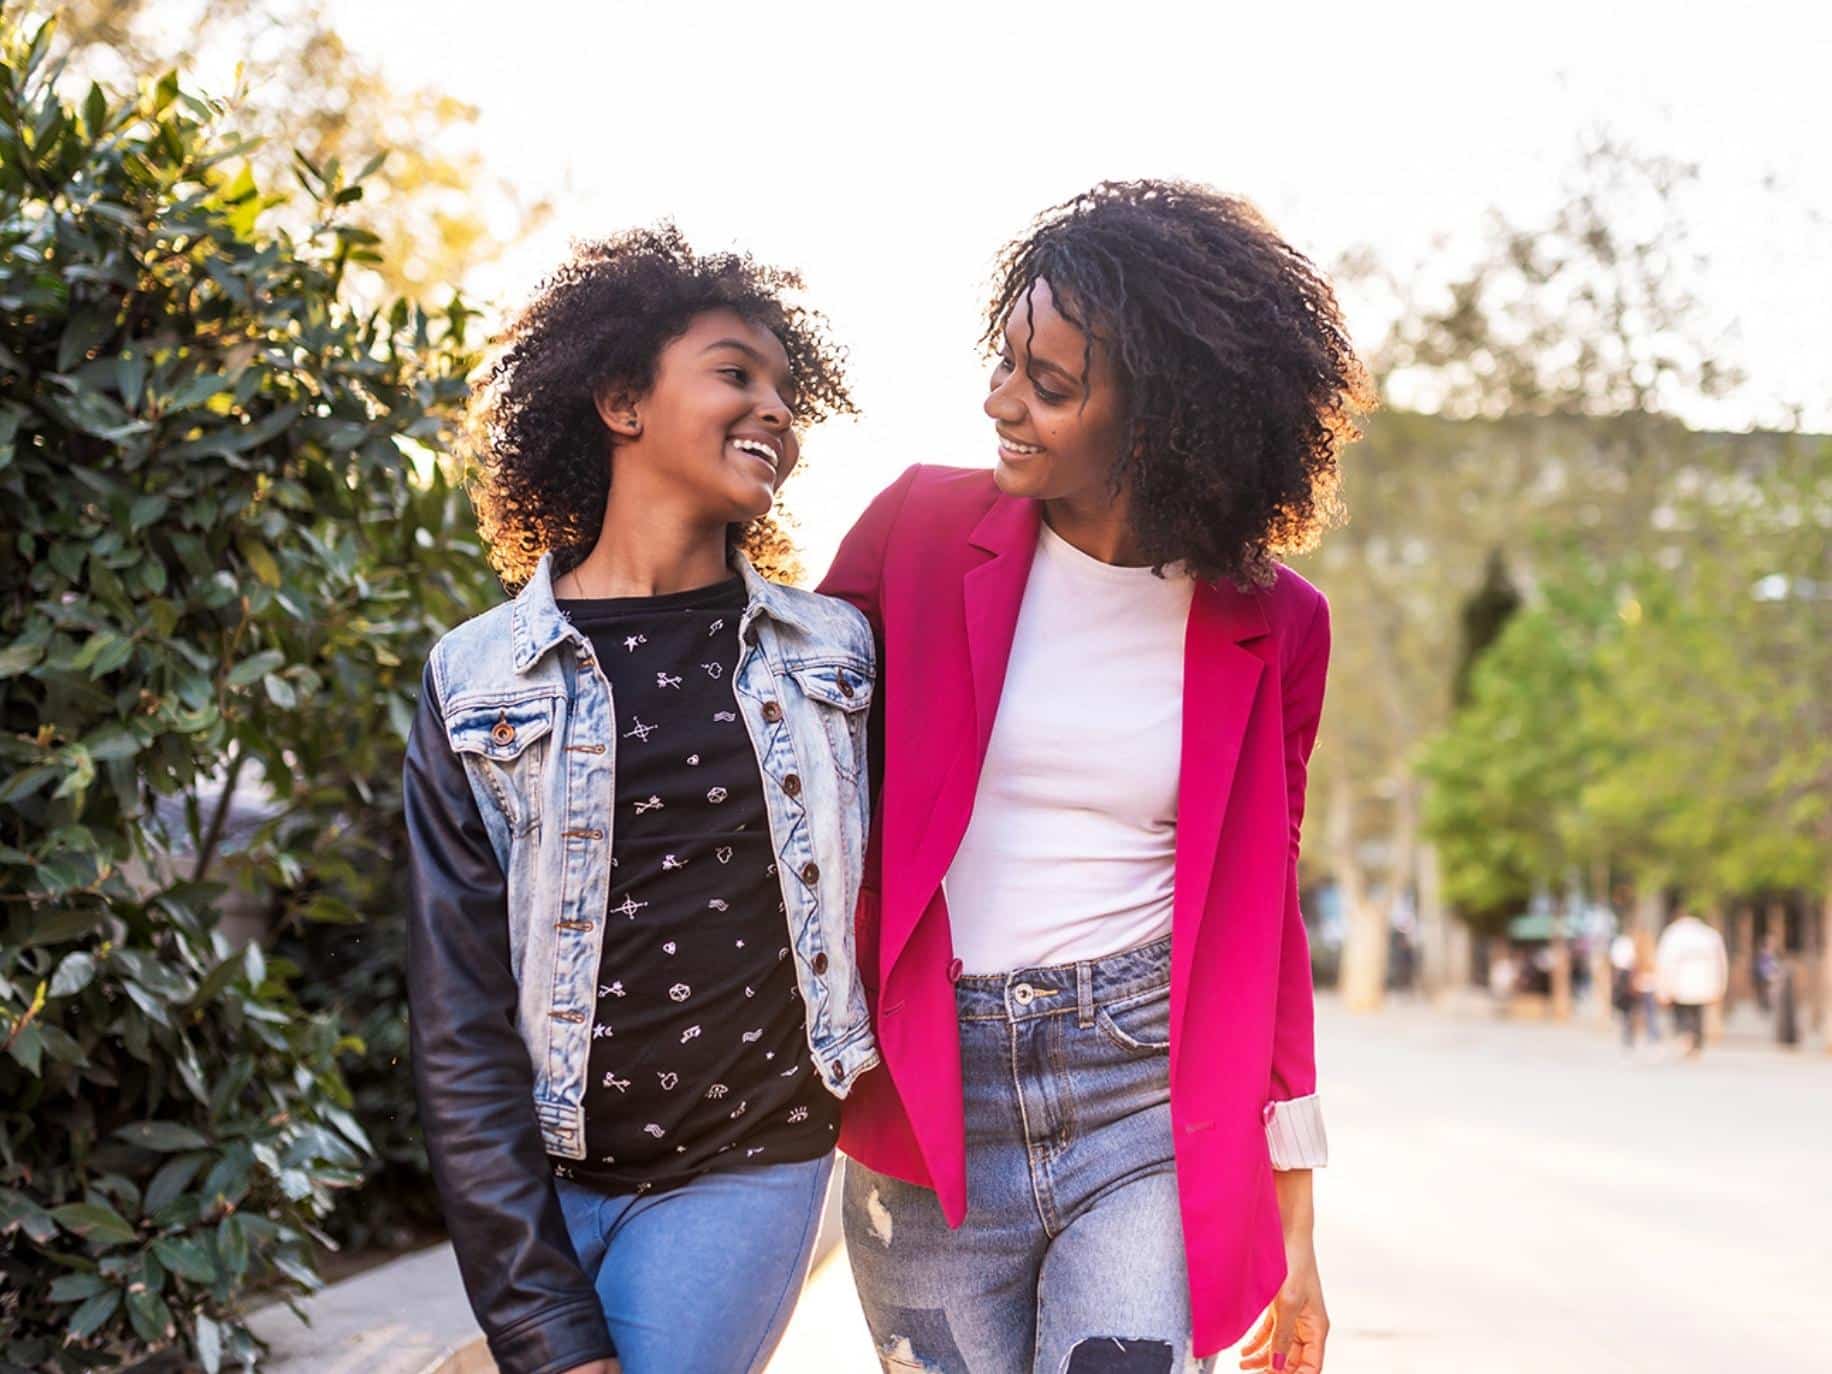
(1691, 973)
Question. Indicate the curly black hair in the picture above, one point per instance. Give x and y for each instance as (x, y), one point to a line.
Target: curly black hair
(1240, 382)
(603, 317)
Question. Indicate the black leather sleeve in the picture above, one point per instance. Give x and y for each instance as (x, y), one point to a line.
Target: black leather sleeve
(474, 1081)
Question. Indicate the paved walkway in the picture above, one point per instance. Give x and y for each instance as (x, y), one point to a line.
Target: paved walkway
(1523, 1199)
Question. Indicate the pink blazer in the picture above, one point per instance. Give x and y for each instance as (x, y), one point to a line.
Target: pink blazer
(939, 563)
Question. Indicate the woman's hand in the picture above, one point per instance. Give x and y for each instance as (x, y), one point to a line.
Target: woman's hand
(1290, 1339)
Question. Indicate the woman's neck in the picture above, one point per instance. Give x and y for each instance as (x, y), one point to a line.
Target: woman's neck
(1100, 528)
(648, 549)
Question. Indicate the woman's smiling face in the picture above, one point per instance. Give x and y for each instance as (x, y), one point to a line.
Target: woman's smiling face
(1057, 404)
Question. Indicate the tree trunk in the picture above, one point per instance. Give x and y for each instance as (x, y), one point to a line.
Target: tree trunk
(1435, 971)
(1649, 908)
(1561, 976)
(1825, 959)
(1364, 947)
(1742, 958)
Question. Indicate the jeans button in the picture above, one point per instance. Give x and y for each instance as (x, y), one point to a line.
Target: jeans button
(1022, 994)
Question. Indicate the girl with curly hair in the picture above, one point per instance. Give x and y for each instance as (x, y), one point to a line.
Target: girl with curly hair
(636, 800)
(1090, 1148)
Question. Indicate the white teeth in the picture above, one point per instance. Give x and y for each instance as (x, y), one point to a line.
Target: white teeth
(1016, 447)
(762, 450)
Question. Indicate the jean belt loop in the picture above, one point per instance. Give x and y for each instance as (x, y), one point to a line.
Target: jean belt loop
(1084, 994)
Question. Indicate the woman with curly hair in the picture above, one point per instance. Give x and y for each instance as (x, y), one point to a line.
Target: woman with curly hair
(1091, 1145)
(636, 802)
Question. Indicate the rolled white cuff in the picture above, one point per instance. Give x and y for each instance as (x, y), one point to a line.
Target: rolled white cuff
(1294, 1134)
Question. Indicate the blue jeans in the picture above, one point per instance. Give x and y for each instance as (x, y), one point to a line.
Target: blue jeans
(702, 1277)
(1071, 1257)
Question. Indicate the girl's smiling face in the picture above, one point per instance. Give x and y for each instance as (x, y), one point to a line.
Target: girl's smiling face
(715, 427)
(1057, 404)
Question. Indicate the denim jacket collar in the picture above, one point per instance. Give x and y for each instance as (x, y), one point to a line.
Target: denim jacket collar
(536, 624)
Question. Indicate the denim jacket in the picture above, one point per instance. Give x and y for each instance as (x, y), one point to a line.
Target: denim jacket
(510, 784)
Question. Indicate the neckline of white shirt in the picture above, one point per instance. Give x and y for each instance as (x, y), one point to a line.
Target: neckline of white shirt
(1066, 556)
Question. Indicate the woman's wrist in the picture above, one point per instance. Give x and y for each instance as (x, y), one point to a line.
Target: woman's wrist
(1297, 1212)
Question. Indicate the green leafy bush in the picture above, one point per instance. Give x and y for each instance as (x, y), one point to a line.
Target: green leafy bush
(227, 540)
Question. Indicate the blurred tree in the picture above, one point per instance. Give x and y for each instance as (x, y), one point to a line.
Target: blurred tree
(1569, 344)
(432, 200)
(1716, 697)
(1505, 778)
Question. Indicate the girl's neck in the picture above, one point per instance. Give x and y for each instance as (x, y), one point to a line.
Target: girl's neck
(648, 548)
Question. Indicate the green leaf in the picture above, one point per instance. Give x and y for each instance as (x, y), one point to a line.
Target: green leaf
(27, 781)
(17, 1211)
(73, 975)
(58, 926)
(95, 109)
(198, 390)
(251, 670)
(215, 981)
(17, 658)
(280, 692)
(232, 1245)
(76, 1287)
(92, 1315)
(260, 560)
(146, 510)
(152, 1319)
(173, 1177)
(209, 1341)
(130, 379)
(162, 1135)
(27, 1046)
(346, 1123)
(186, 1258)
(94, 1221)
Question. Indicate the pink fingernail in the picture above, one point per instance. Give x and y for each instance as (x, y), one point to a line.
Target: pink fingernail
(1278, 1361)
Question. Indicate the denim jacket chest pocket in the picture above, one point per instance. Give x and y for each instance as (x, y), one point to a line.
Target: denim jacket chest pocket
(839, 693)
(504, 743)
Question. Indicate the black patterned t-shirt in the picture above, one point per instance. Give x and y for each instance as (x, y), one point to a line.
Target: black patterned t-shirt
(699, 1054)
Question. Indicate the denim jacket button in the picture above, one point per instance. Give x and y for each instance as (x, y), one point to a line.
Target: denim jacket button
(772, 711)
(792, 785)
(845, 685)
(820, 963)
(811, 874)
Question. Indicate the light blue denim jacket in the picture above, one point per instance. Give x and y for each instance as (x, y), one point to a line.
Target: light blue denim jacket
(530, 713)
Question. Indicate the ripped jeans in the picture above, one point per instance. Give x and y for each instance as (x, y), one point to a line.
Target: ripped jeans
(1070, 1260)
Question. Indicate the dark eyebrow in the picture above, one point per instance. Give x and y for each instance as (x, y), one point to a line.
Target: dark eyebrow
(1042, 364)
(741, 346)
(1045, 365)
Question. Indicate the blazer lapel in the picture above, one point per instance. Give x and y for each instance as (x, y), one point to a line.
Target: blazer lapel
(1220, 679)
(992, 593)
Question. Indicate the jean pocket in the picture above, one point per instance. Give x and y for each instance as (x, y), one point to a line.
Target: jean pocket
(1139, 1024)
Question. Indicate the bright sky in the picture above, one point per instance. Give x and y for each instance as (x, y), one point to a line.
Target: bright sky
(888, 150)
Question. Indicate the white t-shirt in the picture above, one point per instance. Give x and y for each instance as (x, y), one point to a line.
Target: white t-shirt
(1071, 851)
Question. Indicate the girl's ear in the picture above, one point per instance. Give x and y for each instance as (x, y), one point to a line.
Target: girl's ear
(616, 406)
